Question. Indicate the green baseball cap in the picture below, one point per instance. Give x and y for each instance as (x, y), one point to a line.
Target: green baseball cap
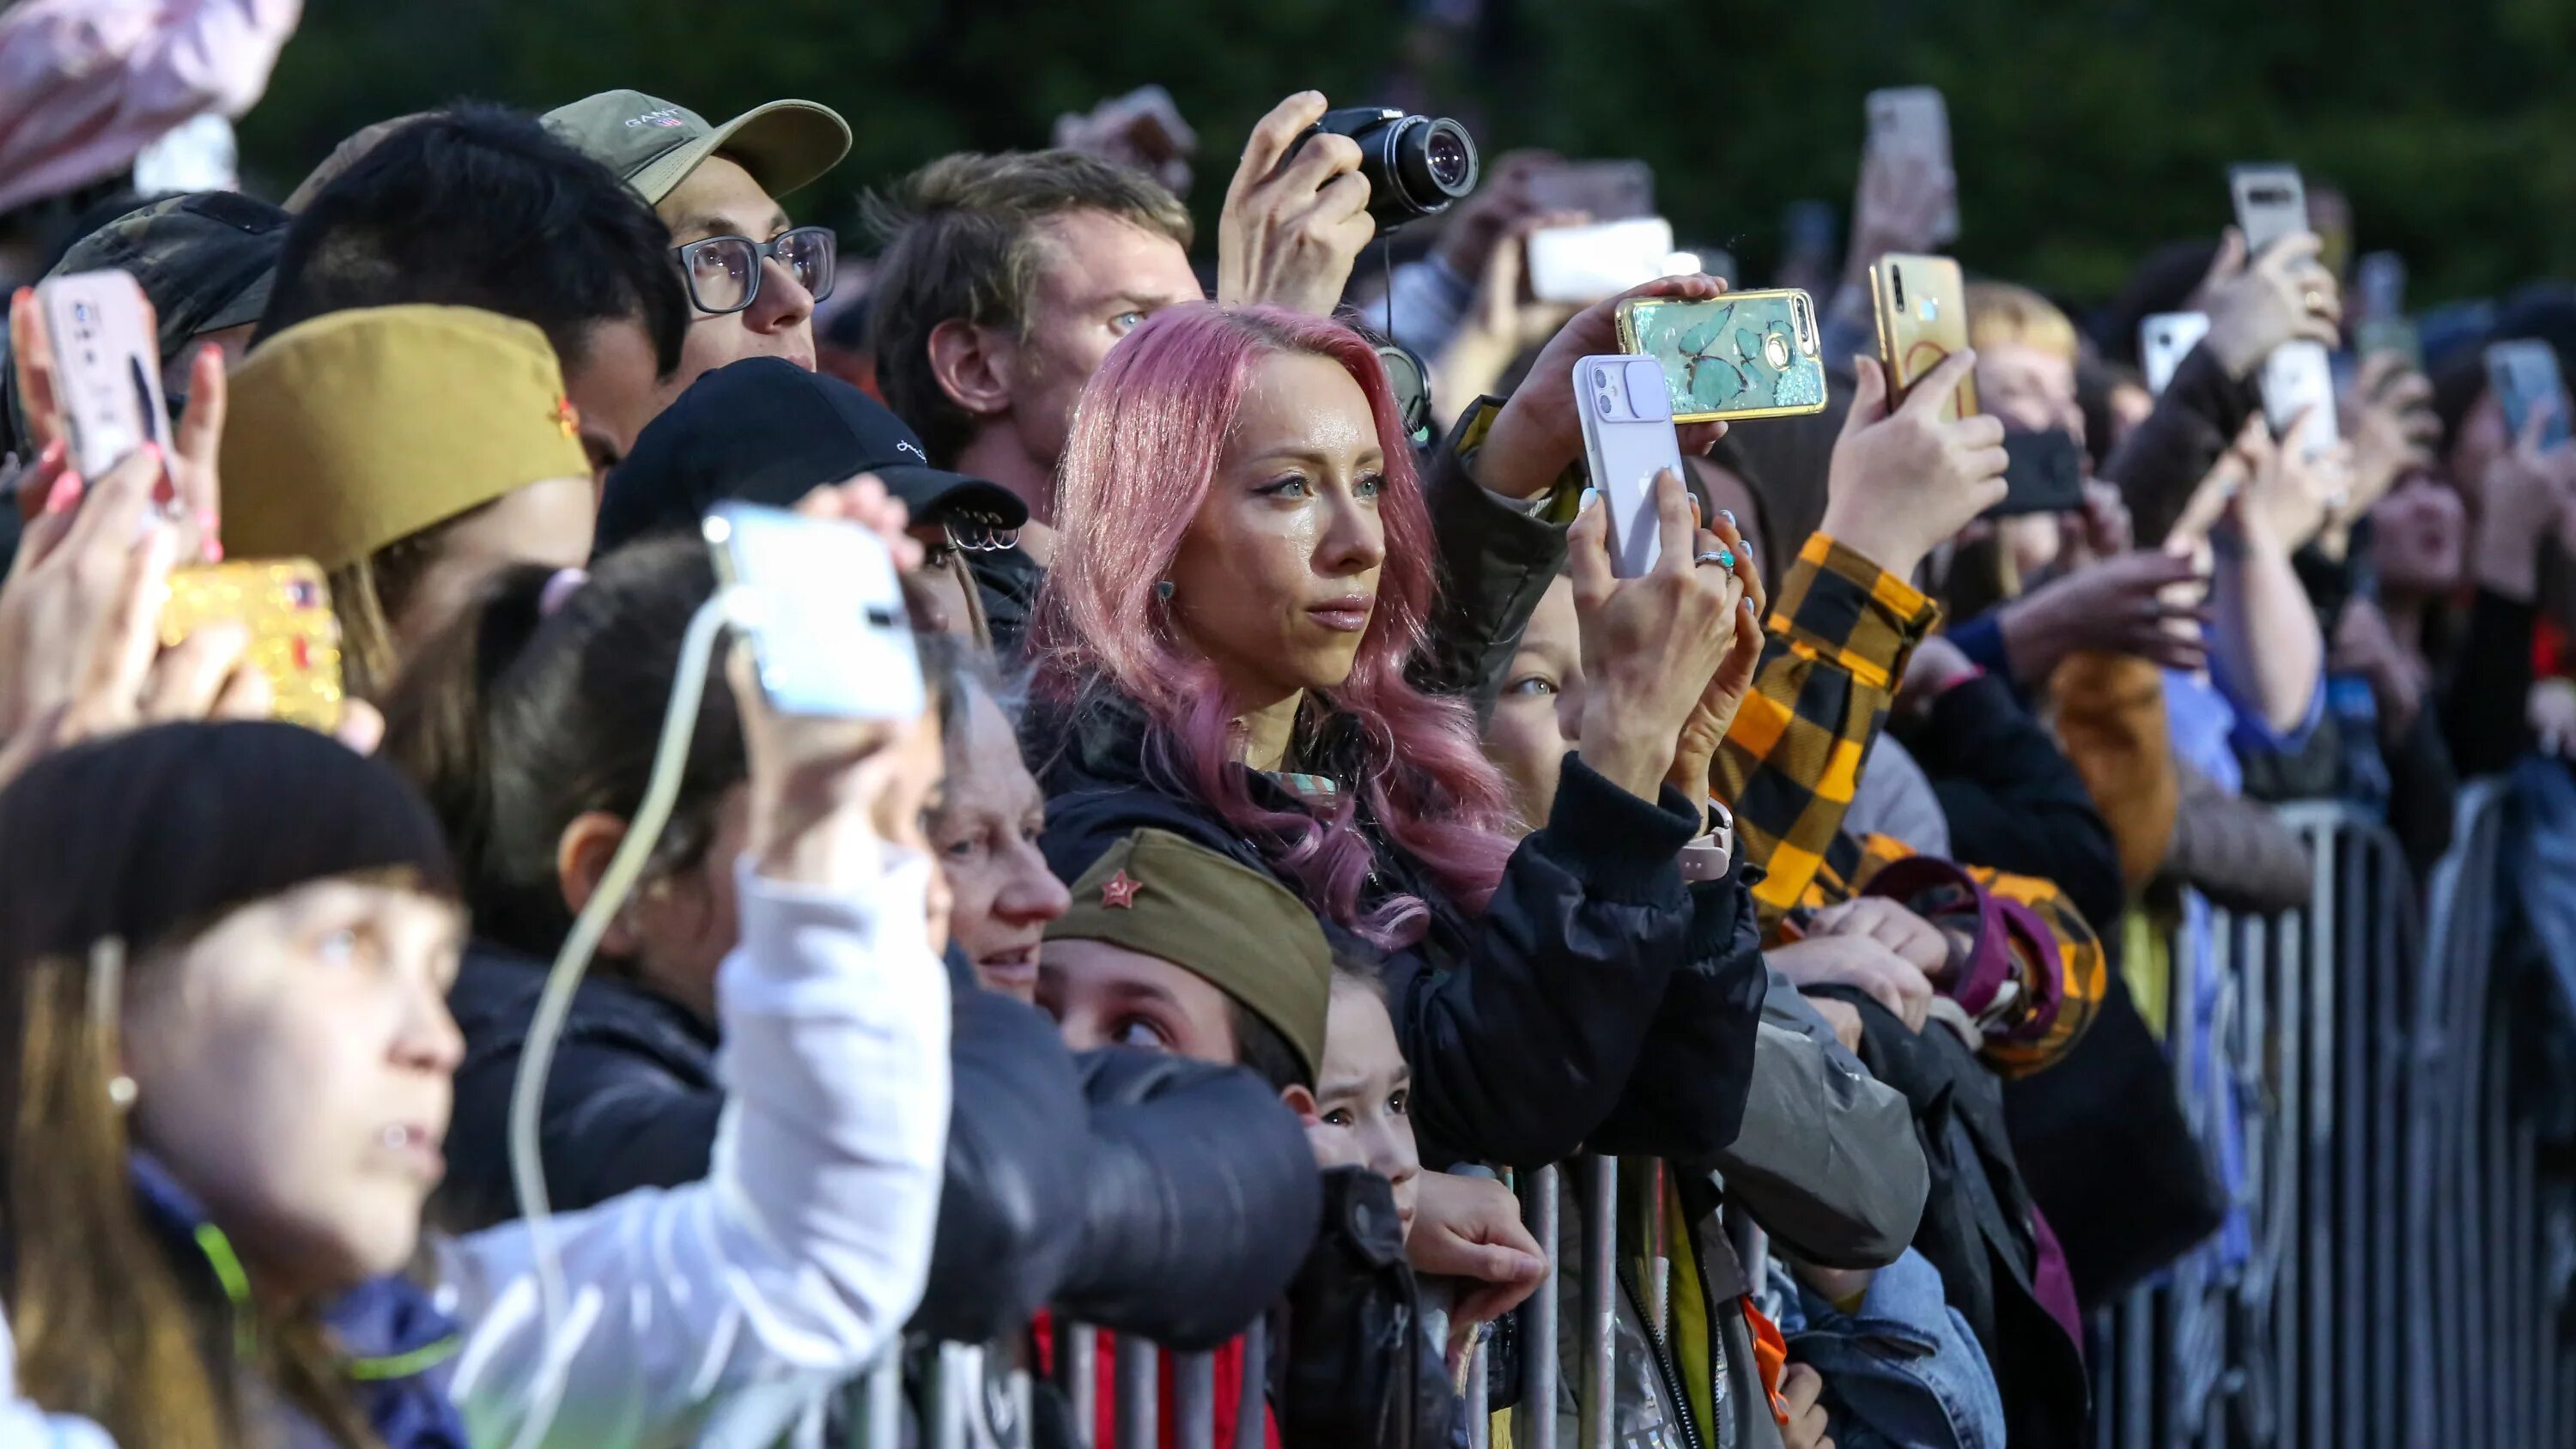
(655, 144)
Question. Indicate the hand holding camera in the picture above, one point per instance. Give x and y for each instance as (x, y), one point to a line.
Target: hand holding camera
(1296, 215)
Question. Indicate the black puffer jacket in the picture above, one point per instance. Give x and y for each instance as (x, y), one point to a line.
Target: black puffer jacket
(1081, 1181)
(1525, 1025)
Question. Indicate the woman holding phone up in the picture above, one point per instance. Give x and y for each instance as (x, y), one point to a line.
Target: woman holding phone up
(1221, 651)
(225, 1061)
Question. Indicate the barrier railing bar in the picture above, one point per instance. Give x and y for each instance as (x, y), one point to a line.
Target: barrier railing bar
(1194, 1400)
(1597, 1424)
(1078, 1375)
(1140, 1393)
(1255, 1388)
(1534, 1424)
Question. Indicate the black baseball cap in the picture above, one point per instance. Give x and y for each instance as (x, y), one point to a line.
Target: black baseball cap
(764, 430)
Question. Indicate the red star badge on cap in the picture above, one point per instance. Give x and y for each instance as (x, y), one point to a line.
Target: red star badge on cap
(567, 417)
(1118, 893)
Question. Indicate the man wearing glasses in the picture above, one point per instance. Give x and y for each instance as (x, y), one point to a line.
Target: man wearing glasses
(753, 279)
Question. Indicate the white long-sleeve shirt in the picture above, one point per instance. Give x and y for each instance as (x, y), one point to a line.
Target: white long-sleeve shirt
(803, 1252)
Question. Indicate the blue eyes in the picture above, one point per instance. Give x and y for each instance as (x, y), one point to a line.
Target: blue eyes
(1368, 485)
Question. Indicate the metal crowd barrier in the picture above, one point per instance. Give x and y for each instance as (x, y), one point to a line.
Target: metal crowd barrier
(2406, 1283)
(2401, 1287)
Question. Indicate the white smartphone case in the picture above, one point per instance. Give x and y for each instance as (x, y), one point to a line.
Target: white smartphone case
(823, 609)
(1583, 264)
(2299, 377)
(2164, 340)
(1628, 438)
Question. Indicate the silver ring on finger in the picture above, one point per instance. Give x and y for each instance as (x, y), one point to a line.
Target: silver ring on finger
(1718, 556)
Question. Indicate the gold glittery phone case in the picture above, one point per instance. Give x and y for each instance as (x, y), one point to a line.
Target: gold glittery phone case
(295, 638)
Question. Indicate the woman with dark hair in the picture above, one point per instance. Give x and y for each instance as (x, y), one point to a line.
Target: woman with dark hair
(533, 727)
(225, 1061)
(1246, 571)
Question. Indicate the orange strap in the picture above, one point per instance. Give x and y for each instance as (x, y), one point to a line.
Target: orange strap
(1770, 1356)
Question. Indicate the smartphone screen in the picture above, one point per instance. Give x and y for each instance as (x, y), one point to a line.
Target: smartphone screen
(1914, 121)
(107, 363)
(1627, 439)
(2524, 375)
(2271, 203)
(823, 610)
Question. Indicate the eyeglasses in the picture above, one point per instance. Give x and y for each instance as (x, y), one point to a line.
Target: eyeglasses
(723, 272)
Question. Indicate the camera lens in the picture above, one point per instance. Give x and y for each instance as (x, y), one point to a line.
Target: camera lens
(1450, 159)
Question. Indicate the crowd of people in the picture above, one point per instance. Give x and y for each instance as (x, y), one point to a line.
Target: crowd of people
(1308, 833)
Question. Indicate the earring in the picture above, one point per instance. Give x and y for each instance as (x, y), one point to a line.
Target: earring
(121, 1091)
(1163, 590)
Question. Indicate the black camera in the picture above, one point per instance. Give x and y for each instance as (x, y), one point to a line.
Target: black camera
(1416, 165)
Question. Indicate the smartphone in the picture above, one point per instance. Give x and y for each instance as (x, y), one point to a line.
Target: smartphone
(2164, 340)
(1915, 121)
(2524, 375)
(820, 603)
(2374, 335)
(1627, 439)
(1602, 190)
(285, 603)
(2043, 473)
(1740, 355)
(1583, 264)
(2379, 284)
(1921, 304)
(107, 363)
(2271, 203)
(2299, 378)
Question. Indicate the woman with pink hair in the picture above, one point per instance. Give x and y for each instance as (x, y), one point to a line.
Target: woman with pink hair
(1246, 572)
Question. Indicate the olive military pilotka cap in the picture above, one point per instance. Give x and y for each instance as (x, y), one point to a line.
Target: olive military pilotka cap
(361, 428)
(655, 144)
(1236, 928)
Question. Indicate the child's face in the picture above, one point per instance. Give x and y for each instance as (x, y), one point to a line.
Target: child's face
(1363, 1108)
(1103, 995)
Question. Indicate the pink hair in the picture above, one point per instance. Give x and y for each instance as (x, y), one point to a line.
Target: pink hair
(1143, 452)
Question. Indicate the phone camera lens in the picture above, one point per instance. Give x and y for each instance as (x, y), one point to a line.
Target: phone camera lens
(82, 312)
(1604, 405)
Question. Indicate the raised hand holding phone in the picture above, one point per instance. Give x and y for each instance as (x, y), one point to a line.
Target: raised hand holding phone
(1651, 644)
(109, 377)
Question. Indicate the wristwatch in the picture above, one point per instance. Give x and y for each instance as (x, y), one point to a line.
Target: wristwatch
(1705, 858)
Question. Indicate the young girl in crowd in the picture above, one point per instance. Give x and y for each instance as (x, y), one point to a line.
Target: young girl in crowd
(1246, 568)
(227, 1058)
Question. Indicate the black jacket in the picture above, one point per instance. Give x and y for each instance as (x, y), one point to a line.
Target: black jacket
(2160, 464)
(1078, 1181)
(1524, 1026)
(2013, 799)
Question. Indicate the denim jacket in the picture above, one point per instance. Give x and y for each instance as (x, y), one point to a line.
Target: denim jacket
(1902, 1371)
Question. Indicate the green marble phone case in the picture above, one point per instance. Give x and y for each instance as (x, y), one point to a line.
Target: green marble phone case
(1742, 355)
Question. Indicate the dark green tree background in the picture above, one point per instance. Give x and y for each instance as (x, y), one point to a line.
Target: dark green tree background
(2087, 130)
